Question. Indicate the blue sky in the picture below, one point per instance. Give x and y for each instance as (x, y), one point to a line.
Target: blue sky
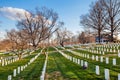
(69, 11)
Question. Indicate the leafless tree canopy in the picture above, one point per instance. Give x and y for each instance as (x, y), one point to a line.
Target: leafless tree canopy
(95, 18)
(63, 34)
(103, 15)
(39, 26)
(18, 41)
(112, 9)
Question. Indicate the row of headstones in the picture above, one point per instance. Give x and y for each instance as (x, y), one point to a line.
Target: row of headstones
(44, 69)
(8, 60)
(65, 55)
(106, 73)
(108, 50)
(95, 51)
(19, 69)
(101, 58)
(93, 57)
(5, 62)
(110, 45)
(25, 55)
(78, 61)
(102, 52)
(75, 60)
(85, 64)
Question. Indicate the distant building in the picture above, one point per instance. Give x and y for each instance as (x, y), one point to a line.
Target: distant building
(102, 39)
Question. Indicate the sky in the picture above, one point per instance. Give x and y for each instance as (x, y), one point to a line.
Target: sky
(69, 12)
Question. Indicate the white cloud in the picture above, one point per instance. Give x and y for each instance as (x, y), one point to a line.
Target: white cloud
(2, 35)
(12, 13)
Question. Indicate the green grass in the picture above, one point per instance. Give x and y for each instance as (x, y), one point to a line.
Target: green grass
(92, 63)
(51, 49)
(60, 68)
(7, 70)
(67, 47)
(33, 71)
(66, 69)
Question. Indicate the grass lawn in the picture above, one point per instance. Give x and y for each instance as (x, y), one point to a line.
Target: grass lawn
(114, 70)
(60, 68)
(8, 69)
(33, 71)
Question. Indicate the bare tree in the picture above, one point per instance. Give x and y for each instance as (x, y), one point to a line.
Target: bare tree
(112, 8)
(18, 40)
(63, 35)
(82, 38)
(39, 26)
(5, 45)
(95, 19)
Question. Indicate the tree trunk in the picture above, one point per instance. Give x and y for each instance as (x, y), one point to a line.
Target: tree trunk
(99, 36)
(112, 39)
(62, 43)
(19, 55)
(112, 26)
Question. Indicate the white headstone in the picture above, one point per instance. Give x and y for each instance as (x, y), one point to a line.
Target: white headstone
(78, 61)
(42, 77)
(114, 50)
(118, 76)
(88, 56)
(29, 63)
(101, 59)
(21, 68)
(110, 50)
(100, 52)
(18, 70)
(86, 64)
(96, 58)
(3, 63)
(103, 53)
(107, 50)
(71, 58)
(9, 77)
(97, 70)
(93, 57)
(114, 61)
(14, 72)
(107, 75)
(24, 66)
(119, 54)
(107, 60)
(81, 62)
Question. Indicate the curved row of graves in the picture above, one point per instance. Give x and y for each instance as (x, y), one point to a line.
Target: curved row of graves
(101, 64)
